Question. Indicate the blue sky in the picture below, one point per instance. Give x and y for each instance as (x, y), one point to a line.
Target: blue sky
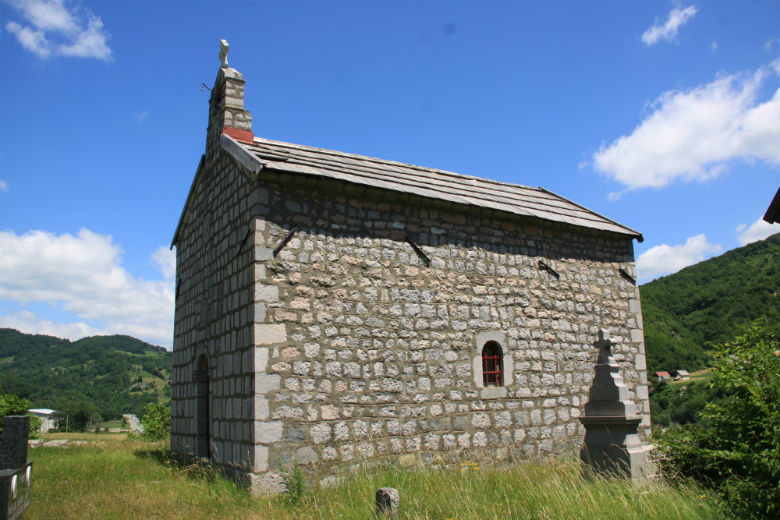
(664, 116)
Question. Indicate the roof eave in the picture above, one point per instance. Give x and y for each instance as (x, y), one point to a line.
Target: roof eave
(628, 231)
(187, 200)
(772, 214)
(247, 161)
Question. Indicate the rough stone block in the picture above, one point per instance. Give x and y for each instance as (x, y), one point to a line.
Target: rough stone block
(388, 502)
(329, 412)
(269, 483)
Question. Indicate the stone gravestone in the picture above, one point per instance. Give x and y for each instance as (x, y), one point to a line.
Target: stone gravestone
(612, 446)
(15, 469)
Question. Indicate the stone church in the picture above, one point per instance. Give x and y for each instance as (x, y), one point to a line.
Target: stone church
(336, 309)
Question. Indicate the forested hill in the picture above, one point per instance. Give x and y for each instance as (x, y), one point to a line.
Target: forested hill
(112, 374)
(710, 303)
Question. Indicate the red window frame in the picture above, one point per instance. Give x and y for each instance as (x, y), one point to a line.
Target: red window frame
(492, 365)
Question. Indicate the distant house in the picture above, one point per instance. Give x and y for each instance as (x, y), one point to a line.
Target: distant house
(682, 375)
(663, 376)
(46, 415)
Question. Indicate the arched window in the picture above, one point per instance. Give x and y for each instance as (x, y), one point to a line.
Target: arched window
(492, 365)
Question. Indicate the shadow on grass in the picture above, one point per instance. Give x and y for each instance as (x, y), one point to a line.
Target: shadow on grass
(190, 467)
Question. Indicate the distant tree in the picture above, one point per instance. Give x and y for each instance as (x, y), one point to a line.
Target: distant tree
(735, 447)
(156, 419)
(678, 404)
(709, 303)
(78, 416)
(12, 404)
(55, 373)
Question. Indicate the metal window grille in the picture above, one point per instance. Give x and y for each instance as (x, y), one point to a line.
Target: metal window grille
(492, 373)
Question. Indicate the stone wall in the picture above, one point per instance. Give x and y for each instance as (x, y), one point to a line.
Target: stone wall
(214, 306)
(363, 351)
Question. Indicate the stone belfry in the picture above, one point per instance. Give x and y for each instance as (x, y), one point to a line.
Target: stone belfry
(226, 106)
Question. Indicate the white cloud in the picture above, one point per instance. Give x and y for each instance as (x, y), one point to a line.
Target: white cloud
(668, 30)
(32, 40)
(165, 258)
(714, 46)
(692, 134)
(664, 259)
(84, 275)
(770, 44)
(3, 186)
(758, 230)
(56, 30)
(90, 43)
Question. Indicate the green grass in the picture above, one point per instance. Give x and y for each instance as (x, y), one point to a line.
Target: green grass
(137, 479)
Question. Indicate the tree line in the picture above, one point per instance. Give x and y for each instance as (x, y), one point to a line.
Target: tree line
(100, 377)
(687, 313)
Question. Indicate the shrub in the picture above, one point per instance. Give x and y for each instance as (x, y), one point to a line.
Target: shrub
(294, 483)
(156, 419)
(735, 447)
(12, 404)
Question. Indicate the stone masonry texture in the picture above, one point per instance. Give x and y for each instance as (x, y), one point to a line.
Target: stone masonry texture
(346, 348)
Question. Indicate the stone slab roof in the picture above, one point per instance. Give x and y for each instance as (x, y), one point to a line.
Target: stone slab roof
(265, 154)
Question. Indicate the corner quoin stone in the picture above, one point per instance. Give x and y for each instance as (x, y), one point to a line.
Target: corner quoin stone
(269, 334)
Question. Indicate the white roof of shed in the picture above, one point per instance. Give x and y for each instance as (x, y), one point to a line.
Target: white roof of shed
(41, 411)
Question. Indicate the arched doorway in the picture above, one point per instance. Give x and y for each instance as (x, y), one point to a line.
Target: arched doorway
(202, 422)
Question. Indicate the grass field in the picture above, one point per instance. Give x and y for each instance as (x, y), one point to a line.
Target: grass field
(125, 479)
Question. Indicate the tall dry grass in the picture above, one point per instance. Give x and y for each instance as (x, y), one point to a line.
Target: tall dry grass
(136, 479)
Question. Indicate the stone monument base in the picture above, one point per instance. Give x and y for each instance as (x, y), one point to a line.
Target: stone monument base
(613, 447)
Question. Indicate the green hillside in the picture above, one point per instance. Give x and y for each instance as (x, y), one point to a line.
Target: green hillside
(710, 303)
(113, 374)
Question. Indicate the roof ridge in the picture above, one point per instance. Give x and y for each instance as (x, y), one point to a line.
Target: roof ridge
(387, 161)
(504, 196)
(503, 188)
